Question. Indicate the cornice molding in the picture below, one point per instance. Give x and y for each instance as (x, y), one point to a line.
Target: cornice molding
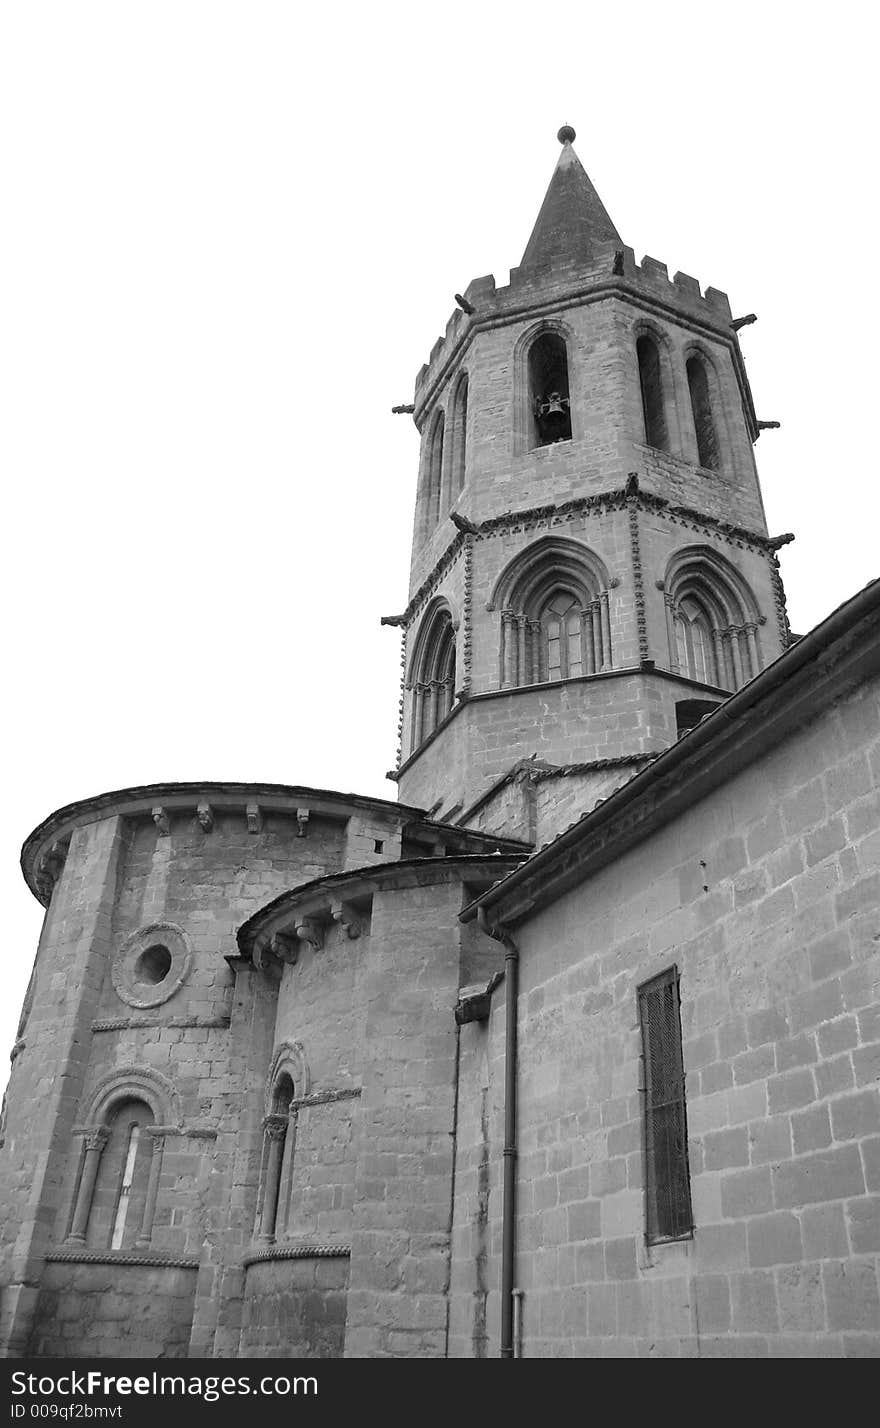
(558, 513)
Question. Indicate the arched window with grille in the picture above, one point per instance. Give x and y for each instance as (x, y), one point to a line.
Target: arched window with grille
(705, 427)
(432, 682)
(712, 620)
(459, 435)
(651, 385)
(562, 637)
(555, 614)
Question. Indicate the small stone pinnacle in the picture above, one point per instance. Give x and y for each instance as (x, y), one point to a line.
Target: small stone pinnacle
(566, 134)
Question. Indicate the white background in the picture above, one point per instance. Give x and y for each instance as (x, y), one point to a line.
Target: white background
(231, 235)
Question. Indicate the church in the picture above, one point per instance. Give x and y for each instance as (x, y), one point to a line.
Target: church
(571, 1050)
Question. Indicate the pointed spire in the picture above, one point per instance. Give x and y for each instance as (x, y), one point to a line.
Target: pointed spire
(573, 219)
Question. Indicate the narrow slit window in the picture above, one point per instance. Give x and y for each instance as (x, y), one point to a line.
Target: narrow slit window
(125, 1189)
(667, 1178)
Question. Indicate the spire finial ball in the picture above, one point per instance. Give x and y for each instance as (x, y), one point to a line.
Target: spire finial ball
(566, 134)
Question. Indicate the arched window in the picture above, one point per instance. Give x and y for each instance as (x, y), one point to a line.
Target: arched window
(712, 620)
(651, 383)
(459, 435)
(118, 1180)
(693, 636)
(549, 405)
(279, 1134)
(433, 681)
(562, 644)
(555, 614)
(435, 470)
(704, 422)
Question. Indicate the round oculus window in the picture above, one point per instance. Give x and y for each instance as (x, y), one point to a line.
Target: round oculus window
(151, 964)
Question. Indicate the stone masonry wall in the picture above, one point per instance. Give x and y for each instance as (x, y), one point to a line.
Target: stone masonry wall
(99, 1311)
(295, 1309)
(571, 722)
(765, 896)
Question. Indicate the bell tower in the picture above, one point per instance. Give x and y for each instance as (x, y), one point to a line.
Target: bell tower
(591, 567)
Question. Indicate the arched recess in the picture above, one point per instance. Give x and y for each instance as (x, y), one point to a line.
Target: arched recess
(458, 436)
(432, 671)
(542, 362)
(123, 1137)
(434, 471)
(555, 619)
(707, 410)
(656, 379)
(712, 619)
(286, 1085)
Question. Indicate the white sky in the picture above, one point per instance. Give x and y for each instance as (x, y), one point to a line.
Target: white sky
(232, 233)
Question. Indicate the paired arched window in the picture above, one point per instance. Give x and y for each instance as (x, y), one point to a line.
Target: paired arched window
(651, 384)
(118, 1181)
(435, 470)
(708, 451)
(433, 678)
(549, 401)
(712, 620)
(459, 435)
(555, 621)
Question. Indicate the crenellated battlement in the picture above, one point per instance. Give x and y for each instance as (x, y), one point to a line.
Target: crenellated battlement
(608, 270)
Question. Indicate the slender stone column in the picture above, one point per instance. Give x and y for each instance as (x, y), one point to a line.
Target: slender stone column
(508, 650)
(605, 616)
(587, 641)
(722, 672)
(733, 637)
(752, 646)
(535, 636)
(146, 1230)
(521, 648)
(95, 1141)
(275, 1128)
(670, 634)
(596, 622)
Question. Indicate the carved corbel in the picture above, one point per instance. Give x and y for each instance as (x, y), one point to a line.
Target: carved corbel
(309, 930)
(160, 818)
(346, 917)
(49, 869)
(205, 815)
(302, 822)
(254, 817)
(275, 946)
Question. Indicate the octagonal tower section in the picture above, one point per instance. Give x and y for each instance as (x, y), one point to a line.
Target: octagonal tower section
(591, 567)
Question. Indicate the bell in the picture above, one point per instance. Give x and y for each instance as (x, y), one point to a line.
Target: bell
(554, 404)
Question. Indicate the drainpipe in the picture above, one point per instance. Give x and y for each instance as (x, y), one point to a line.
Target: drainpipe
(508, 1223)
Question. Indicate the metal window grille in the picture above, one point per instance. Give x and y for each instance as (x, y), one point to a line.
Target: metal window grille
(667, 1180)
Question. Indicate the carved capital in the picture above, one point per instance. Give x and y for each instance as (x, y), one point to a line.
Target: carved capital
(96, 1138)
(274, 1126)
(205, 815)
